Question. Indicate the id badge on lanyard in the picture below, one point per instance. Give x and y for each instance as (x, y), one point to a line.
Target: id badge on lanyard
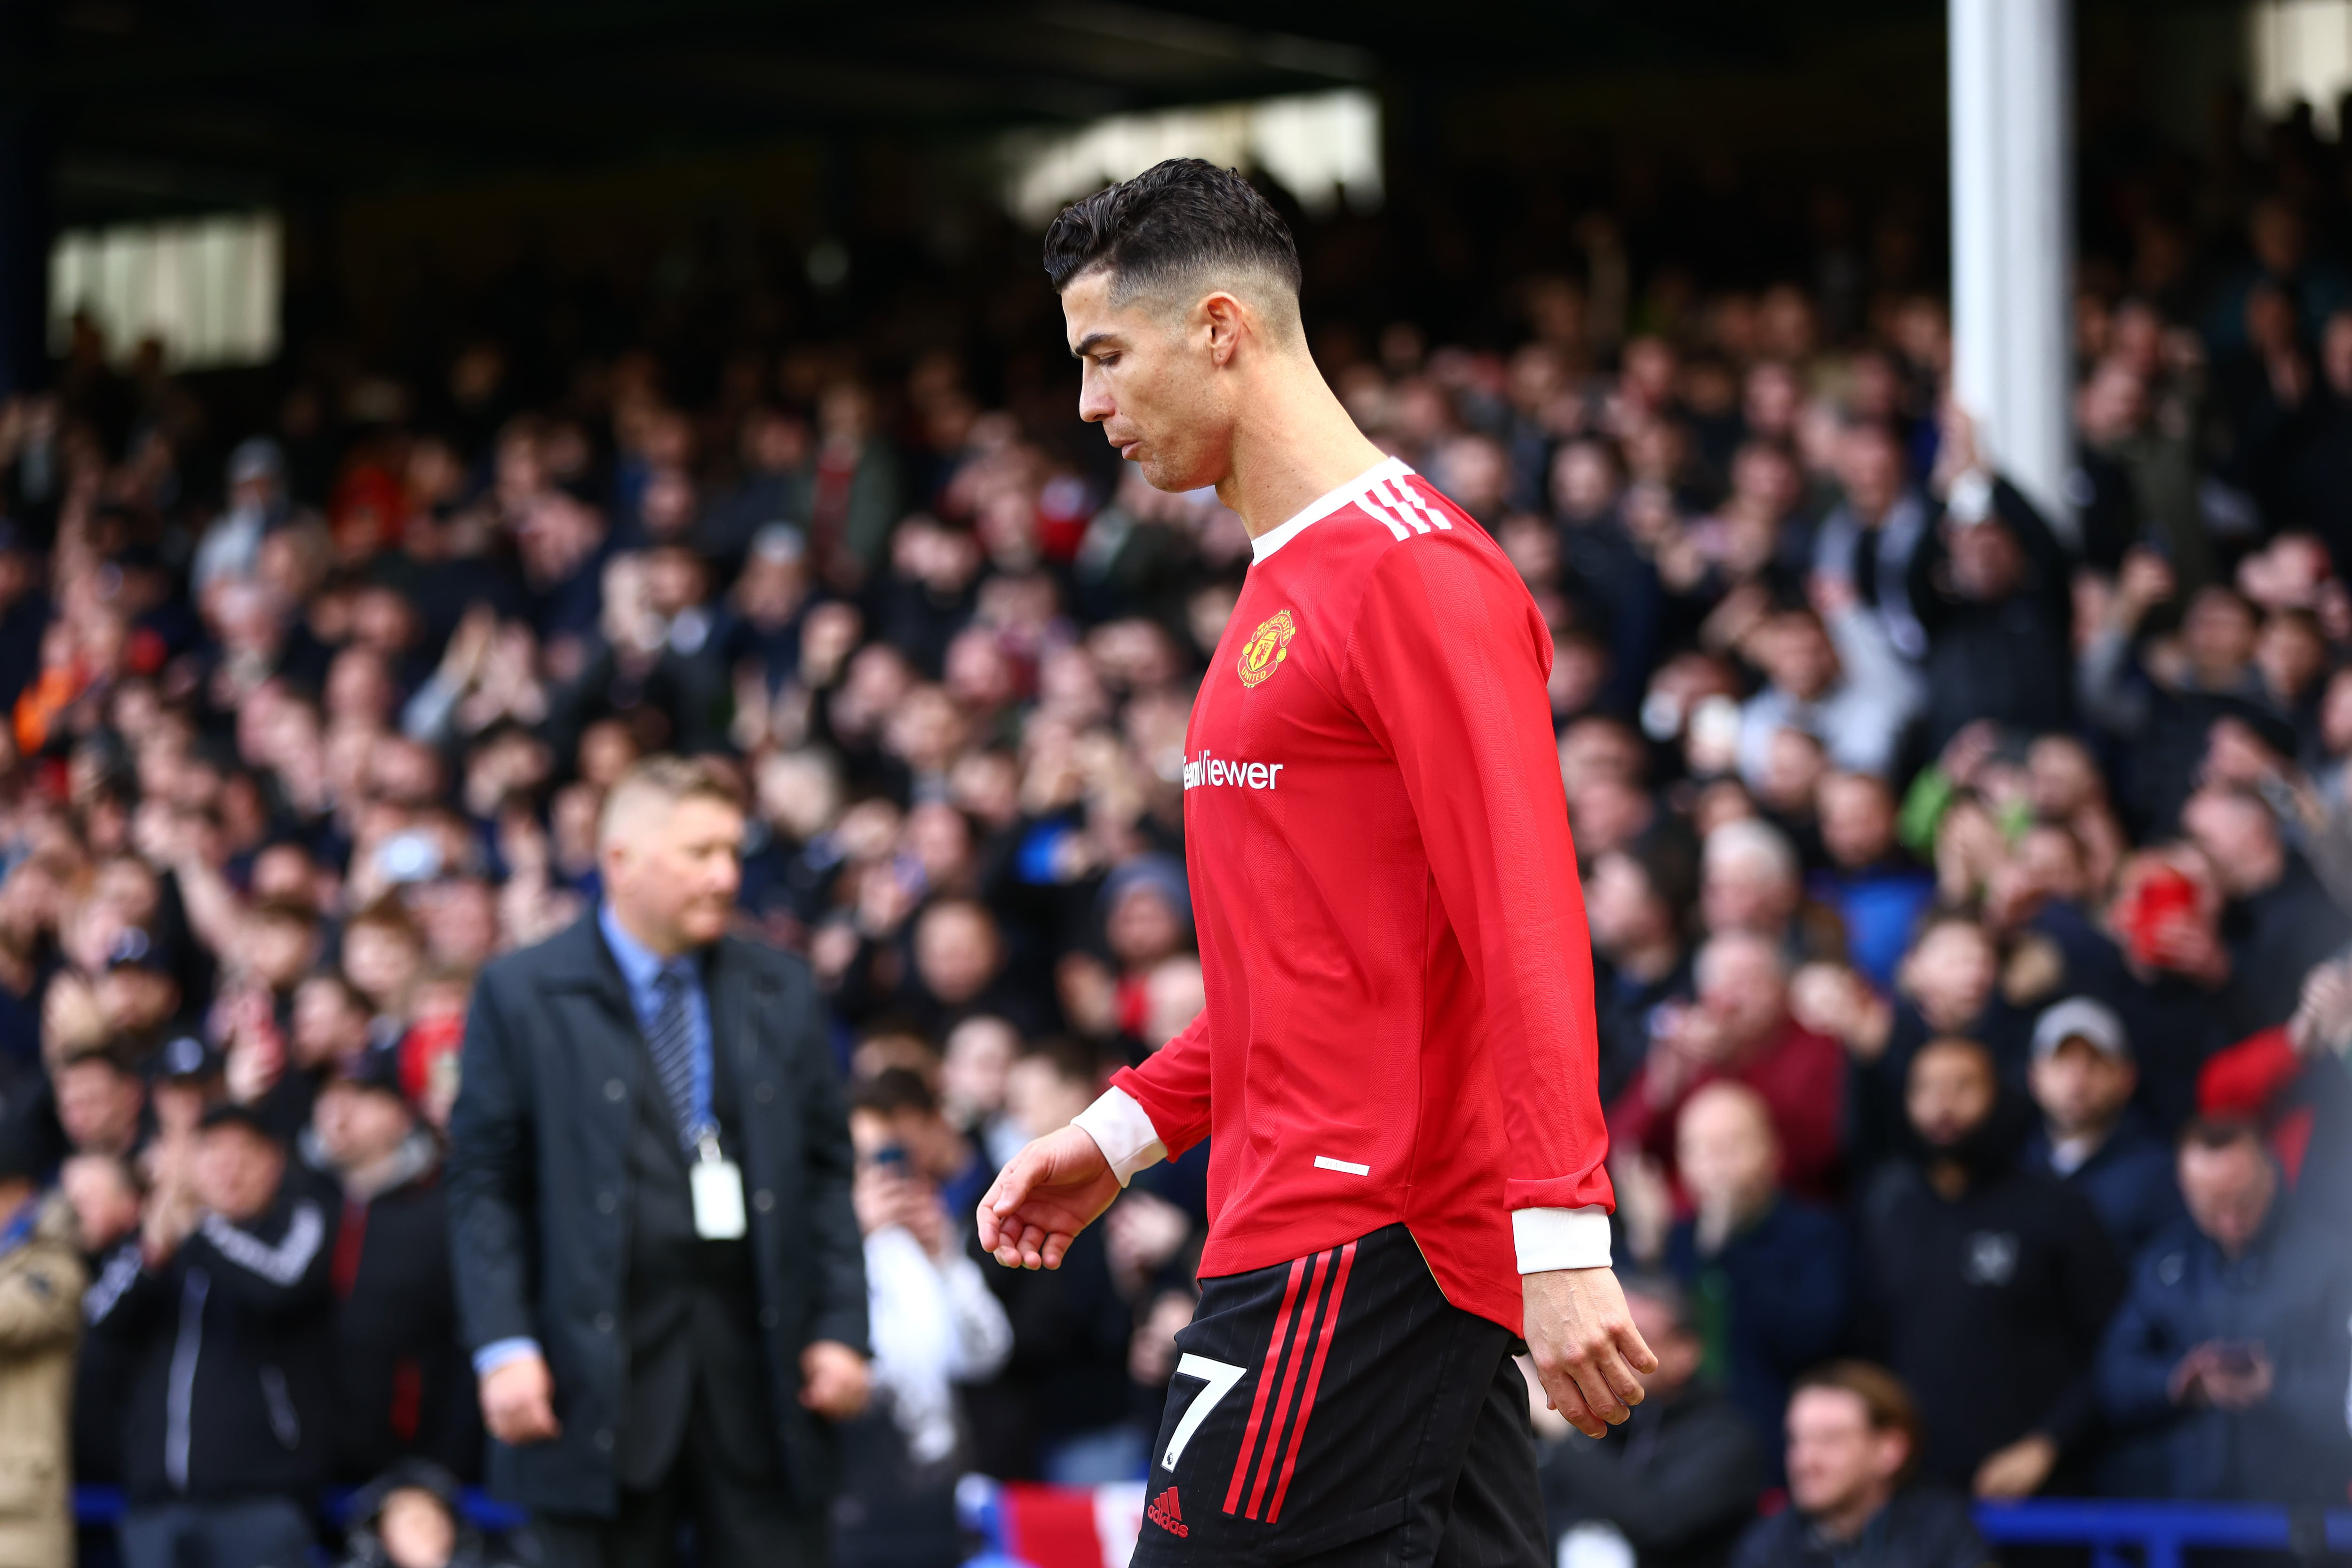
(717, 1184)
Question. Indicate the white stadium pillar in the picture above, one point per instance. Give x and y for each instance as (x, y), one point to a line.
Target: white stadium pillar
(2013, 238)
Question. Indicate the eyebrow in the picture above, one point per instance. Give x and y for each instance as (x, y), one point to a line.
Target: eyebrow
(1087, 344)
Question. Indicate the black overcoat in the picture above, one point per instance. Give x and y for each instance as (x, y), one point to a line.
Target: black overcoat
(539, 1200)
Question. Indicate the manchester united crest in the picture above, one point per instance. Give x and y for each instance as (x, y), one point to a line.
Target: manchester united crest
(1268, 647)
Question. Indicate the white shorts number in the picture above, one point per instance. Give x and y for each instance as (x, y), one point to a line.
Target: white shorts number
(1220, 1376)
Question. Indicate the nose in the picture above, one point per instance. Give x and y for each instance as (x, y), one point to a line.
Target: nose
(1095, 401)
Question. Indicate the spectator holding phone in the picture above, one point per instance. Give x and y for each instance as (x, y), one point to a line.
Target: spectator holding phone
(2169, 982)
(935, 1325)
(2227, 1361)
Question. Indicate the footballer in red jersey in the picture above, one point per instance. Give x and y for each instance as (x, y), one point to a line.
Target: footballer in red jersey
(1396, 1067)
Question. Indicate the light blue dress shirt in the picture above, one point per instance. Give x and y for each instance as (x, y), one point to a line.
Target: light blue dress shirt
(641, 968)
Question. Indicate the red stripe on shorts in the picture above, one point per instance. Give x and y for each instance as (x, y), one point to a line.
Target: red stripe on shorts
(1265, 1382)
(1314, 1378)
(1289, 1381)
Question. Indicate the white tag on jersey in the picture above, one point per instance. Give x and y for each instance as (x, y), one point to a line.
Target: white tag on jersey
(718, 1199)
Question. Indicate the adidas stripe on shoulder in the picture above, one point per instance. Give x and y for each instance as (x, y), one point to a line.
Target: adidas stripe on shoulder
(1393, 500)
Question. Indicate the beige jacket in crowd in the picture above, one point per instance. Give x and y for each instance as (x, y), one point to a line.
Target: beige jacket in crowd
(40, 1323)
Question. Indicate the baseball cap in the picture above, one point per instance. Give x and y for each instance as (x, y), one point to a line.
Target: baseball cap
(2081, 1018)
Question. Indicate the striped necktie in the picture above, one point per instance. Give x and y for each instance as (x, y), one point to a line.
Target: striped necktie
(671, 1041)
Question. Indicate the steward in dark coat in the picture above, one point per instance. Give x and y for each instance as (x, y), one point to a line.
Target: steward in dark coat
(556, 1226)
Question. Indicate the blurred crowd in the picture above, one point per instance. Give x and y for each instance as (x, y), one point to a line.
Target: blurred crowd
(1968, 869)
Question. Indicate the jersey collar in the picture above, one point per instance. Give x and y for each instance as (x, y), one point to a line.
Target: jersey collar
(1323, 506)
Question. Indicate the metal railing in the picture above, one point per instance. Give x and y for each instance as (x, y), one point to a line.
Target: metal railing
(2164, 1533)
(101, 1506)
(2118, 1533)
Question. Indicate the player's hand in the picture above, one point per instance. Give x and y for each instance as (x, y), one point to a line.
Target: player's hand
(1586, 1352)
(518, 1401)
(1052, 1190)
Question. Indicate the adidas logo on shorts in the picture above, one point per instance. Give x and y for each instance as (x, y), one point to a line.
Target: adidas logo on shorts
(1164, 1512)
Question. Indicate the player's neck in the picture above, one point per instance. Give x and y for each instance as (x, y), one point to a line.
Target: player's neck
(1297, 443)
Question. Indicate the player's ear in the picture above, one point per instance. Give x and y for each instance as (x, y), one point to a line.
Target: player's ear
(1223, 317)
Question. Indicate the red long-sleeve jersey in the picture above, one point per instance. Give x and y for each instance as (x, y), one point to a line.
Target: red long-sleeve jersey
(1400, 986)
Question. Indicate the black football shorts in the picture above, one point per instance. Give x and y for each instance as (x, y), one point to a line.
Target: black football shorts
(1337, 1411)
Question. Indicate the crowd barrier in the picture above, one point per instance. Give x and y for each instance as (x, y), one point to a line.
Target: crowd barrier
(1022, 1525)
(1025, 1526)
(2164, 1533)
(100, 1506)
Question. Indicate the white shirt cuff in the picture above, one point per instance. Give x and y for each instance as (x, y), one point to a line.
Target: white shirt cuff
(1561, 1238)
(1123, 1133)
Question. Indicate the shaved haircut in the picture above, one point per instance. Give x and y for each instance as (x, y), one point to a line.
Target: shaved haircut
(1175, 232)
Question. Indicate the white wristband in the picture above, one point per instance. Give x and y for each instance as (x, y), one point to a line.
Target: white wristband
(1123, 1131)
(1561, 1238)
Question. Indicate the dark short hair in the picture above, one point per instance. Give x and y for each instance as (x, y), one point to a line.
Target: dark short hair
(1975, 1047)
(1885, 1402)
(1178, 217)
(1669, 863)
(893, 1090)
(2214, 1133)
(341, 984)
(245, 1118)
(286, 912)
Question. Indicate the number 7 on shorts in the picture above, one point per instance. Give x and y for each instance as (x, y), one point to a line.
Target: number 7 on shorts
(1220, 1376)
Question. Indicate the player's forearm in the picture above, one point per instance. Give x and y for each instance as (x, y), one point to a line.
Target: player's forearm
(1536, 975)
